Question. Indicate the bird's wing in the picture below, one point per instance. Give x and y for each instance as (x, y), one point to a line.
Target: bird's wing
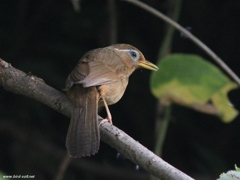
(99, 74)
(97, 67)
(80, 71)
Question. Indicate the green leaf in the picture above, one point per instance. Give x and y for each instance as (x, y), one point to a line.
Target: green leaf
(192, 81)
(237, 168)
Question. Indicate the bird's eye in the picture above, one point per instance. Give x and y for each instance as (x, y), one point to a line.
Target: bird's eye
(134, 54)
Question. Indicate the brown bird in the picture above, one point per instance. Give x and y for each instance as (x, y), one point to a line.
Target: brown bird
(99, 79)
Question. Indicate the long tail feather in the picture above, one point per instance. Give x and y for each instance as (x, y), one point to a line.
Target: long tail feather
(83, 136)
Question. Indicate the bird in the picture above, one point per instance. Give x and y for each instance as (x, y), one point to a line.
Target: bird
(99, 79)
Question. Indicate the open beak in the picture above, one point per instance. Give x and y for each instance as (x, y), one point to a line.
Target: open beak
(148, 65)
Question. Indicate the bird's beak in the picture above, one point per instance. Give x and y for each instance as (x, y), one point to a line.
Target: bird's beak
(148, 65)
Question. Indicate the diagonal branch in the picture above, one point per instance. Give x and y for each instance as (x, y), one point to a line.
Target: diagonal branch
(31, 86)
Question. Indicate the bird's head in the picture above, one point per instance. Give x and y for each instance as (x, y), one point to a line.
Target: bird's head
(132, 57)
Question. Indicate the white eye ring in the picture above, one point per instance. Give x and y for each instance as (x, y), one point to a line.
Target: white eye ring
(134, 54)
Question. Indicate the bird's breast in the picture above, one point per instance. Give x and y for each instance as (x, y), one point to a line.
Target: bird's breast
(112, 92)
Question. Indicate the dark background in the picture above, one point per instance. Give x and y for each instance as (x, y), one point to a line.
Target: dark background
(48, 37)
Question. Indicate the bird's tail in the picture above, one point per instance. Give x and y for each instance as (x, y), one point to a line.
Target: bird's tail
(83, 136)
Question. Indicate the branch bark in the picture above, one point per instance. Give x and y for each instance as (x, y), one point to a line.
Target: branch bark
(31, 86)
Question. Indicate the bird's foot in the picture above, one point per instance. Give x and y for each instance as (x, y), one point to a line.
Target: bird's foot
(107, 119)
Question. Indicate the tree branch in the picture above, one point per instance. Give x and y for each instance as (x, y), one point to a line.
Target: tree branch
(31, 86)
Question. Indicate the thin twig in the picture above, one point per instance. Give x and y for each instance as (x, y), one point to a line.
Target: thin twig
(112, 8)
(63, 167)
(76, 5)
(174, 13)
(199, 43)
(163, 131)
(161, 124)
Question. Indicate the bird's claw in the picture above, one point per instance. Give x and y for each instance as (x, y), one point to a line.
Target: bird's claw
(107, 119)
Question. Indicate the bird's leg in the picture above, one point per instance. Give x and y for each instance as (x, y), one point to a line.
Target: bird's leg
(109, 116)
